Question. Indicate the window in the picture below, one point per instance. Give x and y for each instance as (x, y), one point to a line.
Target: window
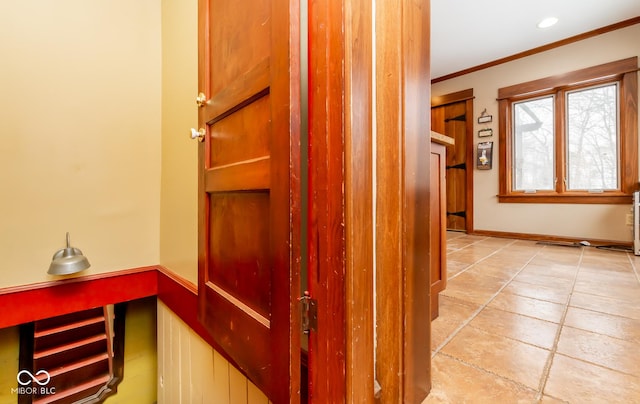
(571, 138)
(592, 138)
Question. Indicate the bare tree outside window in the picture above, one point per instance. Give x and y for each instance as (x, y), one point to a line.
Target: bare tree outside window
(592, 134)
(534, 144)
(571, 137)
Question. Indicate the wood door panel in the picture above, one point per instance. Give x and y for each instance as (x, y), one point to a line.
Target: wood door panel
(456, 194)
(457, 177)
(437, 120)
(455, 127)
(453, 120)
(239, 246)
(241, 90)
(250, 175)
(437, 179)
(242, 135)
(237, 331)
(239, 39)
(249, 191)
(438, 234)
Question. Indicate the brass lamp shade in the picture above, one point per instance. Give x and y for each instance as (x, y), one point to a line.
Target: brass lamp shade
(68, 261)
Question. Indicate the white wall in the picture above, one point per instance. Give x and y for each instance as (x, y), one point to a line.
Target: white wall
(79, 134)
(603, 222)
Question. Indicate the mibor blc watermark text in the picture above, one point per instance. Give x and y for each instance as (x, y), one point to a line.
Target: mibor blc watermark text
(25, 379)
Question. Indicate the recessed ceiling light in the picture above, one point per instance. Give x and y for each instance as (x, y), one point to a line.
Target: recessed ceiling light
(547, 22)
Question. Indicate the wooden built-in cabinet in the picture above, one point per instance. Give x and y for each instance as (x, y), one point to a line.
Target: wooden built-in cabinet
(438, 207)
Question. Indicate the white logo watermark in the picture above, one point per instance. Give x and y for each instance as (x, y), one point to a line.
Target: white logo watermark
(25, 379)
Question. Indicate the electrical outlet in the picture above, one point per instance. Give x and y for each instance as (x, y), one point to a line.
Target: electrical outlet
(629, 219)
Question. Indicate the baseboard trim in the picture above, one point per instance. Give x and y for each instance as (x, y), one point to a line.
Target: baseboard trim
(545, 237)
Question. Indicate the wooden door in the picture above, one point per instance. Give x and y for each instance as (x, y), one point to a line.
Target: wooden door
(455, 119)
(249, 191)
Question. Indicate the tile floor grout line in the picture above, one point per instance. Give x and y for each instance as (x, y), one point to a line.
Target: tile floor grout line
(476, 367)
(581, 265)
(547, 367)
(468, 245)
(480, 260)
(483, 306)
(456, 331)
(633, 266)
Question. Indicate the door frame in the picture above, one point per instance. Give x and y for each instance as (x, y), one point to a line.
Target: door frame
(403, 88)
(359, 247)
(349, 173)
(467, 97)
(340, 198)
(326, 236)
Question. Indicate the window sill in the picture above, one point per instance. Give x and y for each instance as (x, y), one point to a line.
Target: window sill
(578, 198)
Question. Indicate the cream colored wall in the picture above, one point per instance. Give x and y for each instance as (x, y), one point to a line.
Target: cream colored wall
(179, 185)
(79, 134)
(605, 222)
(190, 371)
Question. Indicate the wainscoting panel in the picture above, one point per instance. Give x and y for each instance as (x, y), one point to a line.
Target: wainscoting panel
(191, 371)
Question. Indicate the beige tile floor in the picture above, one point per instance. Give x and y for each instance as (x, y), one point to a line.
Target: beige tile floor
(522, 322)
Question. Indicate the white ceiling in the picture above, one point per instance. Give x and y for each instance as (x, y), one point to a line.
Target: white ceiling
(468, 33)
